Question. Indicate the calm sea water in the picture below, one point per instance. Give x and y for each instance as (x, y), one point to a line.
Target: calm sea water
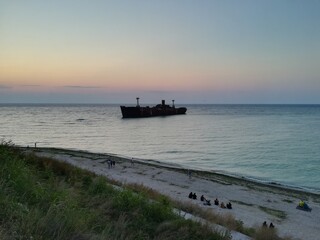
(273, 143)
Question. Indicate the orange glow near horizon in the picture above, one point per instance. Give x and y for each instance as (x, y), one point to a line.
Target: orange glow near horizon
(121, 75)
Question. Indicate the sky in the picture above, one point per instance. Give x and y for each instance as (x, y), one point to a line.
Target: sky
(205, 51)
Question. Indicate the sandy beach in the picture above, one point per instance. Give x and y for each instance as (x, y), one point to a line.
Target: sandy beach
(253, 203)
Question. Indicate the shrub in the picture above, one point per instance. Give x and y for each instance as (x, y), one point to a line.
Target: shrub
(264, 233)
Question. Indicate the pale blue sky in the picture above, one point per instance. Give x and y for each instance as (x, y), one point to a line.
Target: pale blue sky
(192, 51)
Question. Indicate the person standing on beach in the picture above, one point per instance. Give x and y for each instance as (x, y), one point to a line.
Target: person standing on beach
(189, 173)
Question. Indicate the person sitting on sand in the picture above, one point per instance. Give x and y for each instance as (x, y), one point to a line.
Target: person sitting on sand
(301, 203)
(271, 225)
(190, 195)
(207, 202)
(194, 196)
(222, 205)
(202, 198)
(216, 202)
(229, 205)
(304, 206)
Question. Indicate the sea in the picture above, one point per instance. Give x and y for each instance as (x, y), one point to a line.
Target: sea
(278, 144)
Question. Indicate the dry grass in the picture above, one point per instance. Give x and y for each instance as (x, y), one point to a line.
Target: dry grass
(264, 233)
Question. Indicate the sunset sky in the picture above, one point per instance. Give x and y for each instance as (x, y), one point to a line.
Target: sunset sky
(214, 51)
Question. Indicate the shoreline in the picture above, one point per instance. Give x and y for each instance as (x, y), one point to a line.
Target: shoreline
(232, 177)
(253, 202)
(251, 179)
(216, 175)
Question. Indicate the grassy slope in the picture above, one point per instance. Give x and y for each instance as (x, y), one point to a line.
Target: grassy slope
(44, 199)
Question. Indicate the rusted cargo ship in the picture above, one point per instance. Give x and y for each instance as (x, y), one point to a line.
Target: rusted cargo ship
(158, 110)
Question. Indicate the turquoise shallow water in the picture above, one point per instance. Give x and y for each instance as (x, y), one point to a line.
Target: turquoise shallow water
(272, 143)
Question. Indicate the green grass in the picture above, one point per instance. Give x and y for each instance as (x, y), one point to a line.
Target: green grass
(45, 199)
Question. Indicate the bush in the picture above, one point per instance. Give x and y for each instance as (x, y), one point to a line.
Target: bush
(264, 233)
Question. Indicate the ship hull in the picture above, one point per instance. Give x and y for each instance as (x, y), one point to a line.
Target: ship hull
(141, 112)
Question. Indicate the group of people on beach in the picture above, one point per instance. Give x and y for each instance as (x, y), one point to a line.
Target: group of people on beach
(192, 195)
(222, 205)
(111, 163)
(304, 206)
(208, 202)
(266, 225)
